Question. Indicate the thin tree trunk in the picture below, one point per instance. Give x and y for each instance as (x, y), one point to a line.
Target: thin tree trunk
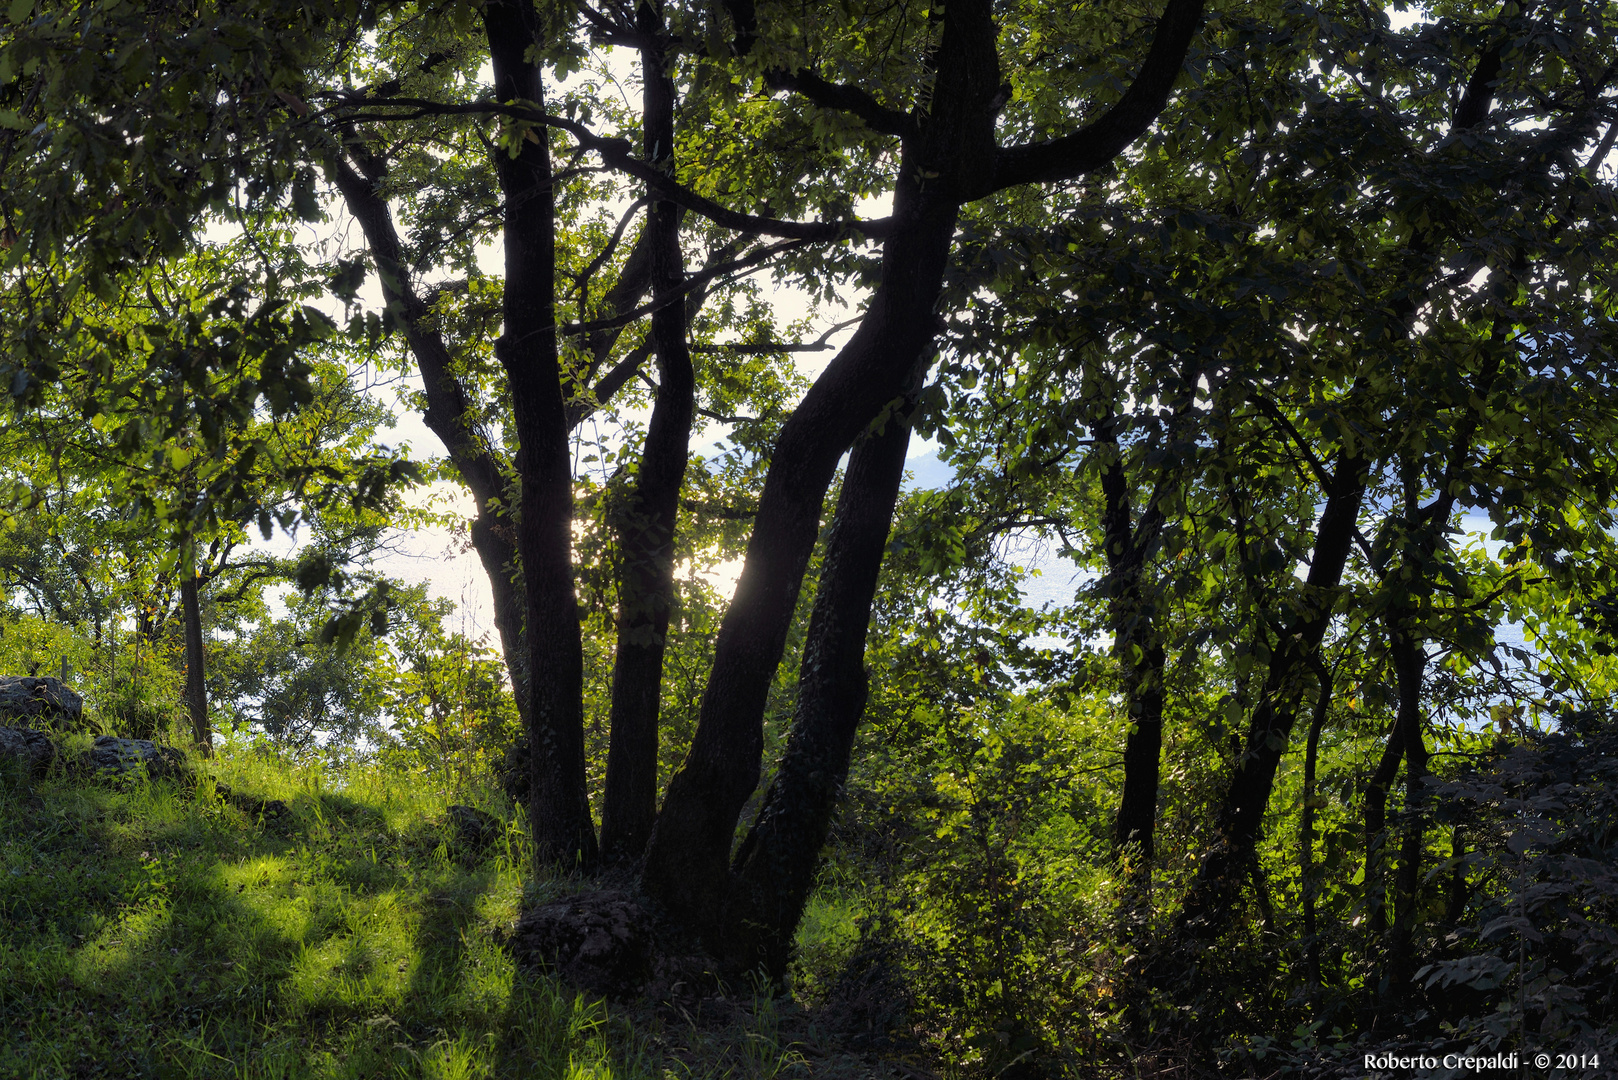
(775, 866)
(563, 831)
(450, 411)
(646, 524)
(1455, 900)
(1136, 645)
(1306, 827)
(1410, 661)
(1211, 901)
(196, 689)
(1375, 884)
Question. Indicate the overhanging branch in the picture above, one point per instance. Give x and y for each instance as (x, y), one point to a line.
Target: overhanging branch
(1096, 144)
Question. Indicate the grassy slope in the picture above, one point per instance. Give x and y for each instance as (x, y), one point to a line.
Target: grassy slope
(151, 930)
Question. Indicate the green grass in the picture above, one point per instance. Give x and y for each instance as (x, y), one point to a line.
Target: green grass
(153, 930)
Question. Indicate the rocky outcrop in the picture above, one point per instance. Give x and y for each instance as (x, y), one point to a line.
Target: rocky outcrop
(475, 830)
(33, 750)
(40, 701)
(268, 811)
(112, 756)
(598, 941)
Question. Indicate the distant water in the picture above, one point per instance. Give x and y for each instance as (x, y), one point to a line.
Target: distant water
(1057, 581)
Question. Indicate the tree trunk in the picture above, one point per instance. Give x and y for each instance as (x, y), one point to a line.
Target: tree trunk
(1211, 901)
(563, 832)
(775, 867)
(1136, 822)
(1306, 827)
(646, 525)
(1410, 662)
(1375, 885)
(448, 413)
(196, 689)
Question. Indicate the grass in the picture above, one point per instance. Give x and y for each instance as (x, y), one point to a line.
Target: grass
(155, 930)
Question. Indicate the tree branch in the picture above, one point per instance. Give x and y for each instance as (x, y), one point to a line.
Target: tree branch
(695, 281)
(618, 154)
(1097, 143)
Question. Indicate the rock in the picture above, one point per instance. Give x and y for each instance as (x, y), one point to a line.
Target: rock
(43, 700)
(119, 757)
(475, 830)
(599, 941)
(267, 810)
(32, 749)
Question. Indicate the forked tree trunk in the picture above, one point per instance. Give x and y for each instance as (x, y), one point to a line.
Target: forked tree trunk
(688, 860)
(775, 867)
(948, 155)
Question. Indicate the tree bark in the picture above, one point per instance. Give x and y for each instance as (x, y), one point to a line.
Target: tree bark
(775, 866)
(564, 834)
(646, 523)
(196, 689)
(450, 409)
(688, 861)
(448, 413)
(1375, 883)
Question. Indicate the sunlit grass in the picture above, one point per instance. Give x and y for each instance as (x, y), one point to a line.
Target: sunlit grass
(158, 930)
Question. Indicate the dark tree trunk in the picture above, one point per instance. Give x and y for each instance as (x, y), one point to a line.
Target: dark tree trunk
(448, 413)
(688, 860)
(1456, 897)
(1306, 827)
(1136, 823)
(1410, 662)
(646, 523)
(1211, 901)
(1375, 885)
(1137, 647)
(775, 867)
(563, 832)
(196, 689)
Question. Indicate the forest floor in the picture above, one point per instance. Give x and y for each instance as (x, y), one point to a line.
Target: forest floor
(154, 929)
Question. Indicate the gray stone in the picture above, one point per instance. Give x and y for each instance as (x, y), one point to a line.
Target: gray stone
(44, 701)
(32, 749)
(114, 756)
